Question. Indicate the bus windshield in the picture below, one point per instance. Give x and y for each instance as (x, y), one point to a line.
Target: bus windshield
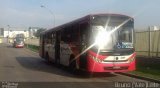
(19, 39)
(111, 33)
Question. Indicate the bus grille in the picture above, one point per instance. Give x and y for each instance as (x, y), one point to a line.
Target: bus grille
(115, 60)
(116, 68)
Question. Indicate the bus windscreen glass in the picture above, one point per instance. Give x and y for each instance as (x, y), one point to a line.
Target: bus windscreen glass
(112, 32)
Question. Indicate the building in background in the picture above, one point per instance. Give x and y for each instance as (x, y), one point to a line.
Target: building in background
(11, 32)
(7, 34)
(1, 32)
(32, 31)
(155, 28)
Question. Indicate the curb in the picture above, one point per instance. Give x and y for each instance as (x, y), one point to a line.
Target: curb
(27, 48)
(140, 77)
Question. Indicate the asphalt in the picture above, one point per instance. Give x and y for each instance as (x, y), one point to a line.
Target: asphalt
(28, 70)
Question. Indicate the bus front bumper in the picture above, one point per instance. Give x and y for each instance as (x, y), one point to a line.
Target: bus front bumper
(19, 46)
(110, 67)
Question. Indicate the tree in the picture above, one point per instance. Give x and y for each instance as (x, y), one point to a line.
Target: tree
(37, 34)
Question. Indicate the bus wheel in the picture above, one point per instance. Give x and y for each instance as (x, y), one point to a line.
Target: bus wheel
(72, 65)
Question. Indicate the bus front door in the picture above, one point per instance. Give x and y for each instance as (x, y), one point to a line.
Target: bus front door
(57, 48)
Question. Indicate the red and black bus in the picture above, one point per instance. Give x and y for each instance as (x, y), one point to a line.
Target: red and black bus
(18, 42)
(94, 43)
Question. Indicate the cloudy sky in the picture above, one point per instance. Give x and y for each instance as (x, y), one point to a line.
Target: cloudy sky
(25, 13)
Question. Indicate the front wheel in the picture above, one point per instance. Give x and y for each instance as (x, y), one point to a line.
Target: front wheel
(72, 65)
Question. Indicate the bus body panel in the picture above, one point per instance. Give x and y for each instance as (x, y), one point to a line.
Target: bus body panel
(114, 66)
(63, 49)
(101, 67)
(19, 46)
(41, 47)
(65, 52)
(51, 52)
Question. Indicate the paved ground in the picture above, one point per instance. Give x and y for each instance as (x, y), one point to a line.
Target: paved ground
(23, 65)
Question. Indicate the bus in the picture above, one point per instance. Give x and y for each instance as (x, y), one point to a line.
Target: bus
(18, 42)
(94, 43)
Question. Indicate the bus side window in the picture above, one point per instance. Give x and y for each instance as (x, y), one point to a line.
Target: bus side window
(74, 31)
(84, 28)
(49, 38)
(83, 39)
(46, 39)
(53, 38)
(65, 36)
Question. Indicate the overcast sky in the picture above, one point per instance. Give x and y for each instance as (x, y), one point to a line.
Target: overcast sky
(25, 13)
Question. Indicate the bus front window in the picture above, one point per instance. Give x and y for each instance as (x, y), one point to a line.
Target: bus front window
(125, 35)
(125, 38)
(108, 33)
(102, 37)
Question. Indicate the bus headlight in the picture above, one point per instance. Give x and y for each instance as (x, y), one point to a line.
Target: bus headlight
(95, 58)
(131, 59)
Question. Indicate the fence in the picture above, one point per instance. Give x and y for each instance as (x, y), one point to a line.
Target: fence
(33, 41)
(148, 43)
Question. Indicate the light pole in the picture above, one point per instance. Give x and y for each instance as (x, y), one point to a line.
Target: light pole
(42, 6)
(8, 33)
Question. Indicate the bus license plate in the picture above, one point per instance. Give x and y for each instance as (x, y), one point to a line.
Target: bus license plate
(116, 67)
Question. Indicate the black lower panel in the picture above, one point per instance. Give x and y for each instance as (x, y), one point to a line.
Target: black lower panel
(83, 61)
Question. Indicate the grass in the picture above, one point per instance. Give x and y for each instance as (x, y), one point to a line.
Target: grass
(32, 47)
(155, 74)
(148, 67)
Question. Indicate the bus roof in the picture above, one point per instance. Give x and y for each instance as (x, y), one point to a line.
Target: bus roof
(82, 19)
